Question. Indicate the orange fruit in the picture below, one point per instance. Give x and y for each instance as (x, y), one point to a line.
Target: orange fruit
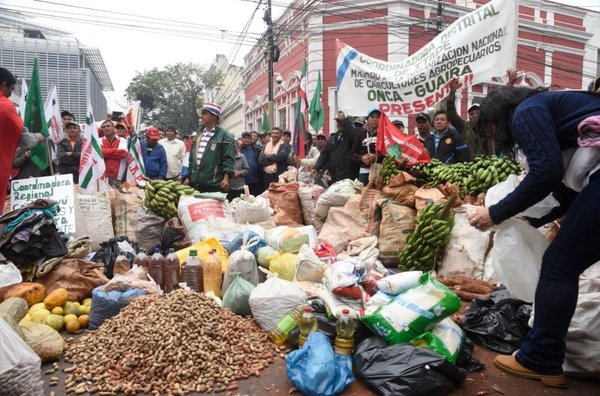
(73, 326)
(83, 321)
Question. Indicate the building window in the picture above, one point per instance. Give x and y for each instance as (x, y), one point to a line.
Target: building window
(32, 33)
(282, 116)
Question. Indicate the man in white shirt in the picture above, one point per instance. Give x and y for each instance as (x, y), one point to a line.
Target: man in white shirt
(175, 149)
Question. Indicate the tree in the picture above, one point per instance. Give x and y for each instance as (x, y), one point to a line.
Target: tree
(172, 96)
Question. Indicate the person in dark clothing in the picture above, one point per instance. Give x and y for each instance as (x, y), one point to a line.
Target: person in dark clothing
(252, 153)
(69, 151)
(23, 166)
(363, 150)
(444, 143)
(336, 157)
(544, 125)
(274, 157)
(155, 156)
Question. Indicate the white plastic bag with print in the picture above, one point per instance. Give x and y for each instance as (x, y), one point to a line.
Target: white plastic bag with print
(517, 257)
(496, 193)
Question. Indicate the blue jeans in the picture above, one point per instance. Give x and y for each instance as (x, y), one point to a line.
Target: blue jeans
(574, 249)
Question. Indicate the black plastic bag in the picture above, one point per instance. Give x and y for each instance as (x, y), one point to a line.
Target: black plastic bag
(109, 251)
(465, 359)
(326, 326)
(499, 323)
(405, 370)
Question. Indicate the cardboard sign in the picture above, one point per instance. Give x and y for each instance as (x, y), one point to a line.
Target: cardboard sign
(58, 188)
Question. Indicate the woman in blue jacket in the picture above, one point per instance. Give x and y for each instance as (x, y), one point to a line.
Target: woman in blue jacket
(544, 125)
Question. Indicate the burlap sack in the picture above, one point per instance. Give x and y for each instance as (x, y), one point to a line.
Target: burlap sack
(423, 195)
(93, 217)
(370, 211)
(344, 224)
(401, 189)
(397, 222)
(78, 276)
(124, 209)
(285, 196)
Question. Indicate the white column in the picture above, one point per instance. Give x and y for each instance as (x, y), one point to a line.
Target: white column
(548, 67)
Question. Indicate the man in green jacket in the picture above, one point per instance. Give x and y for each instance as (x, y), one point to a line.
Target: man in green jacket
(212, 154)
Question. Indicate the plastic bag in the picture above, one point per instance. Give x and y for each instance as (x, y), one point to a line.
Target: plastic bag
(499, 323)
(404, 370)
(316, 370)
(238, 241)
(496, 193)
(336, 195)
(284, 265)
(9, 275)
(309, 267)
(203, 248)
(249, 209)
(265, 254)
(242, 262)
(237, 295)
(205, 218)
(336, 305)
(341, 274)
(517, 257)
(309, 196)
(290, 239)
(400, 282)
(46, 342)
(105, 305)
(270, 301)
(109, 250)
(412, 312)
(445, 338)
(20, 367)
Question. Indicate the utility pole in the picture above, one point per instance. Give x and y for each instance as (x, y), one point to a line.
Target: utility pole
(267, 18)
(438, 20)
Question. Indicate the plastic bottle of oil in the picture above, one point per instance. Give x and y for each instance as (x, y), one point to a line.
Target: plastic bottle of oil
(121, 264)
(142, 260)
(282, 330)
(192, 272)
(212, 273)
(156, 269)
(171, 272)
(344, 337)
(308, 324)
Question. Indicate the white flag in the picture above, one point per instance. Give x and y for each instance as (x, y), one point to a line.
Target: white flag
(23, 99)
(135, 160)
(91, 166)
(52, 111)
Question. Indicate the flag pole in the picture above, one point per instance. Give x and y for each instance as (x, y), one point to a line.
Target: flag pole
(49, 154)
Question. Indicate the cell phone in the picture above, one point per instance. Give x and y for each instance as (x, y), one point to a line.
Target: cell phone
(116, 115)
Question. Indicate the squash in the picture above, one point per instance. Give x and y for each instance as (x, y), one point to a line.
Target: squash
(57, 298)
(31, 292)
(12, 310)
(46, 342)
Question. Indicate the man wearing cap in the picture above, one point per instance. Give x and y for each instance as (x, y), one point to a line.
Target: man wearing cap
(155, 157)
(364, 150)
(212, 155)
(424, 126)
(480, 144)
(68, 151)
(446, 144)
(114, 151)
(252, 153)
(336, 156)
(121, 130)
(175, 150)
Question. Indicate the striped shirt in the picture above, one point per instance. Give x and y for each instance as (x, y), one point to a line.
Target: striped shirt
(206, 136)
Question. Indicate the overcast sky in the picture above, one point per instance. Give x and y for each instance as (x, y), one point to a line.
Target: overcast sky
(138, 35)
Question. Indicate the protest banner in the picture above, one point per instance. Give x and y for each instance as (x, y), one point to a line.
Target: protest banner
(58, 188)
(392, 141)
(475, 48)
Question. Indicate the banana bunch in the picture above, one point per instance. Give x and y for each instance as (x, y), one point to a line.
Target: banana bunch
(389, 169)
(162, 196)
(426, 173)
(489, 171)
(427, 243)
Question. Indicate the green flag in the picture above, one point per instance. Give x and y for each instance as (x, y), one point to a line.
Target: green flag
(35, 118)
(316, 112)
(265, 127)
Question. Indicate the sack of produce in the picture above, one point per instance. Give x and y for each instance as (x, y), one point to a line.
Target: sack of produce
(396, 223)
(270, 301)
(290, 239)
(412, 312)
(284, 265)
(149, 228)
(250, 209)
(20, 372)
(174, 235)
(344, 224)
(243, 263)
(401, 189)
(78, 276)
(400, 282)
(237, 295)
(265, 254)
(205, 218)
(93, 218)
(125, 205)
(370, 210)
(285, 196)
(309, 196)
(105, 305)
(309, 267)
(237, 242)
(46, 342)
(445, 338)
(336, 195)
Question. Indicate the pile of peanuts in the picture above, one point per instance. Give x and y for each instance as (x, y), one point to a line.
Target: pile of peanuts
(177, 343)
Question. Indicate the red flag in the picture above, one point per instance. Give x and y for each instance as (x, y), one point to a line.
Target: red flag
(410, 147)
